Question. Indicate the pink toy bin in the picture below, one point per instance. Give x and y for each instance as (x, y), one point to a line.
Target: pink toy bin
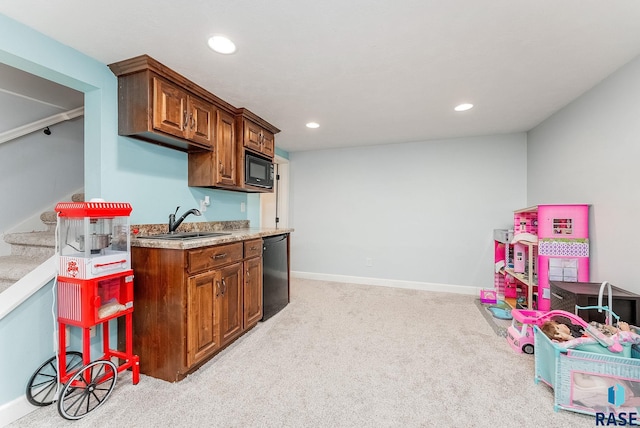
(488, 296)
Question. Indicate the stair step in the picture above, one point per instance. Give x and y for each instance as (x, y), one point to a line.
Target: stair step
(30, 249)
(49, 217)
(39, 239)
(12, 268)
(36, 245)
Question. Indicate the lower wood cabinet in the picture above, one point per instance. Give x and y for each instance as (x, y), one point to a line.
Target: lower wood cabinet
(231, 302)
(252, 291)
(190, 304)
(203, 335)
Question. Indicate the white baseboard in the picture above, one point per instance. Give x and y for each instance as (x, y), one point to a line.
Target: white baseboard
(396, 283)
(14, 410)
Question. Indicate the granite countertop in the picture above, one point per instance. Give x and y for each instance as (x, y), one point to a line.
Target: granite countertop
(237, 231)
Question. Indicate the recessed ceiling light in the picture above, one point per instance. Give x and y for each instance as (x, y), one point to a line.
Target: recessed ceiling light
(313, 125)
(222, 45)
(463, 107)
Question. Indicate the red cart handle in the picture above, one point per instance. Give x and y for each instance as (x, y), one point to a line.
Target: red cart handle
(112, 263)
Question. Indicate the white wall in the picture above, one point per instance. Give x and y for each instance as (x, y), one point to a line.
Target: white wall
(589, 152)
(422, 212)
(36, 170)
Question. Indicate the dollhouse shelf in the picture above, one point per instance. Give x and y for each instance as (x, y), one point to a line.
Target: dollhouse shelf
(522, 278)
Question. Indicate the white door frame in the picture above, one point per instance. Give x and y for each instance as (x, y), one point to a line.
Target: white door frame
(276, 203)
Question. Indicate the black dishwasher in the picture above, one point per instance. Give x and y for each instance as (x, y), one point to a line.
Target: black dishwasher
(275, 276)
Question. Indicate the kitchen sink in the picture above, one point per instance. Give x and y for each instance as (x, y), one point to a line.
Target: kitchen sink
(179, 236)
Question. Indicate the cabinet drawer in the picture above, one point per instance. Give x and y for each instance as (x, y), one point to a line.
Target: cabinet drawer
(252, 248)
(210, 257)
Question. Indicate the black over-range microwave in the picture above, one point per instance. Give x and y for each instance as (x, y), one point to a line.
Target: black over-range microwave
(258, 171)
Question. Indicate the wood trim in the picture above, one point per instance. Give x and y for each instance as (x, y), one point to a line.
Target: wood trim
(257, 119)
(145, 62)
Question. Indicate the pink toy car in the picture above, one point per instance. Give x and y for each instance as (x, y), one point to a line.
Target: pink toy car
(520, 332)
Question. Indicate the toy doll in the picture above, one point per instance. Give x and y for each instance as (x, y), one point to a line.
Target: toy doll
(557, 331)
(562, 333)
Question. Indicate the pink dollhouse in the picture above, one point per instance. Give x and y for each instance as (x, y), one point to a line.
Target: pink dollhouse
(548, 243)
(563, 247)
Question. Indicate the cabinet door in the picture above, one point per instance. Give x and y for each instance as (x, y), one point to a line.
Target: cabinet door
(252, 137)
(268, 144)
(169, 108)
(200, 121)
(225, 149)
(252, 291)
(203, 335)
(230, 302)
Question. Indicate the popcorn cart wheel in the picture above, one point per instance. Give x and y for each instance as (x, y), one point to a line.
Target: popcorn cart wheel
(43, 385)
(87, 388)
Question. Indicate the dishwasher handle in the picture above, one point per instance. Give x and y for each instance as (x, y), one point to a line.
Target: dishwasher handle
(269, 240)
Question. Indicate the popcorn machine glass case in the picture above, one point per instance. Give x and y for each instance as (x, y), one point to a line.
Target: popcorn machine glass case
(93, 238)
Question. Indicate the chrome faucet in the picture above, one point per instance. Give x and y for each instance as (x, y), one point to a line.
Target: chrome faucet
(173, 223)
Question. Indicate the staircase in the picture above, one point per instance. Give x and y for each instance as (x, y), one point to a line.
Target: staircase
(29, 249)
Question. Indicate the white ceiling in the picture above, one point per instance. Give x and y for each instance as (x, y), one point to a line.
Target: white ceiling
(369, 71)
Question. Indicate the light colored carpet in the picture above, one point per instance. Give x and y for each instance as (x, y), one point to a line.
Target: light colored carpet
(343, 355)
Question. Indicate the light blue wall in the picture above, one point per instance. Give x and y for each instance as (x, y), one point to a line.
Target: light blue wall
(282, 153)
(26, 341)
(152, 178)
(421, 212)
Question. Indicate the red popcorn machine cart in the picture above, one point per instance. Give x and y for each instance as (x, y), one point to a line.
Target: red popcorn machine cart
(94, 286)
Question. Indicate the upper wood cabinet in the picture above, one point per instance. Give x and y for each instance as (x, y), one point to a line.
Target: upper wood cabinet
(225, 166)
(255, 134)
(178, 113)
(217, 168)
(158, 105)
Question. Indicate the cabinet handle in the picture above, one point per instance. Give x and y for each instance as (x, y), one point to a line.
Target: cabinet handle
(184, 121)
(220, 256)
(218, 292)
(248, 273)
(192, 121)
(220, 167)
(224, 287)
(253, 248)
(557, 296)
